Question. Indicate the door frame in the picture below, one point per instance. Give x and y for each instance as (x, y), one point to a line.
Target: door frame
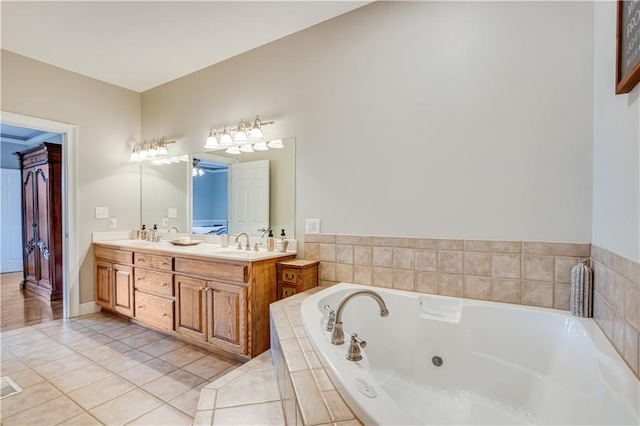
(70, 258)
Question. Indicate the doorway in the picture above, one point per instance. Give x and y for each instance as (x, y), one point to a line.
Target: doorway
(71, 290)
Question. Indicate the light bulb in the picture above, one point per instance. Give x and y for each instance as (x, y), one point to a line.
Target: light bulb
(233, 150)
(246, 148)
(255, 134)
(261, 146)
(212, 142)
(153, 149)
(277, 144)
(241, 135)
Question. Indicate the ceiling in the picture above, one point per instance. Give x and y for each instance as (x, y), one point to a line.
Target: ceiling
(142, 44)
(22, 136)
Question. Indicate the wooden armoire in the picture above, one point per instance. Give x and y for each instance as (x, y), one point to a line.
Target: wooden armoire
(42, 219)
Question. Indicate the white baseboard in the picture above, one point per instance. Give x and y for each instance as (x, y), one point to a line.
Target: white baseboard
(89, 308)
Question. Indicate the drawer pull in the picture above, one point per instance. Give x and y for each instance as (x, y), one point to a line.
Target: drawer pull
(140, 259)
(165, 315)
(165, 264)
(140, 306)
(140, 278)
(289, 277)
(165, 284)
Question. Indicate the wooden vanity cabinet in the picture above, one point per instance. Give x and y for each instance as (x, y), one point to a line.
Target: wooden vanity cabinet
(227, 316)
(191, 312)
(216, 303)
(114, 281)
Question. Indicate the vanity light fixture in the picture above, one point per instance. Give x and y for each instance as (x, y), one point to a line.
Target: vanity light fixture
(154, 150)
(246, 138)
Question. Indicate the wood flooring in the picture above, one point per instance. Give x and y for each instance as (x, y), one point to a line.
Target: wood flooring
(20, 307)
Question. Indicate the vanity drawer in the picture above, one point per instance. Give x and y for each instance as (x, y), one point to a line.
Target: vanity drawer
(157, 282)
(212, 270)
(153, 261)
(154, 310)
(289, 275)
(114, 255)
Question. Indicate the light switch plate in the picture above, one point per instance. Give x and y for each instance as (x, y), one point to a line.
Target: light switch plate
(312, 226)
(172, 213)
(102, 212)
(165, 221)
(113, 223)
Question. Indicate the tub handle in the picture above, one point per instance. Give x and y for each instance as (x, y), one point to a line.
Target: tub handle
(354, 354)
(332, 318)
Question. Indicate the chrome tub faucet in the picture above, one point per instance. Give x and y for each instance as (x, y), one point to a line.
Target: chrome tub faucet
(337, 336)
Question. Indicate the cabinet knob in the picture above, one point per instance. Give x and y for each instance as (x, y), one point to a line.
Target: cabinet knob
(289, 277)
(140, 306)
(165, 315)
(140, 278)
(165, 264)
(140, 260)
(165, 284)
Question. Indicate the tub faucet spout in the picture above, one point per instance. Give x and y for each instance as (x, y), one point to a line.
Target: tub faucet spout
(337, 337)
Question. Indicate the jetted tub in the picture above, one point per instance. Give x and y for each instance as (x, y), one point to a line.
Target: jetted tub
(501, 363)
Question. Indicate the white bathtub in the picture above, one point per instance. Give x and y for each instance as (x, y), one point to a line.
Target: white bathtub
(502, 364)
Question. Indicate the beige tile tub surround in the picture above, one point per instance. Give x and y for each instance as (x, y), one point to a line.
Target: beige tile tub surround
(616, 304)
(523, 272)
(308, 395)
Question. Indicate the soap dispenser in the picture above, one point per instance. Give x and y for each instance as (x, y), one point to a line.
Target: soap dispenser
(143, 233)
(271, 242)
(154, 233)
(282, 243)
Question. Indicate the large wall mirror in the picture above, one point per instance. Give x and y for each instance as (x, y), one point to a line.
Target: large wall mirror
(215, 192)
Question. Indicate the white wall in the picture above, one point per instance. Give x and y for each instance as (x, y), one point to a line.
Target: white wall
(436, 119)
(616, 146)
(106, 117)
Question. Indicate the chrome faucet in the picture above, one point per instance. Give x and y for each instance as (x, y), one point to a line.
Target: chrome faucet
(337, 337)
(237, 240)
(172, 228)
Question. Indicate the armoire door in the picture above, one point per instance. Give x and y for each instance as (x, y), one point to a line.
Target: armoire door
(42, 211)
(30, 225)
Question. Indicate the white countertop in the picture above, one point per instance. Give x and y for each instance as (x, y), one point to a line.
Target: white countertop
(202, 249)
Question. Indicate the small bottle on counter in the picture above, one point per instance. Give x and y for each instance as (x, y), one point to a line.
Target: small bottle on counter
(271, 242)
(154, 233)
(143, 233)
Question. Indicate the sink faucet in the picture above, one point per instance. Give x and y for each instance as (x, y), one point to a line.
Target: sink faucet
(247, 246)
(337, 337)
(174, 228)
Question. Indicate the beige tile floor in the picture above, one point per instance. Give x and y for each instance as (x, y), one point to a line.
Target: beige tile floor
(99, 369)
(246, 396)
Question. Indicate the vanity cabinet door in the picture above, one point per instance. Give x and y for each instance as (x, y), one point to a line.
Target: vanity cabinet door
(227, 316)
(123, 289)
(191, 307)
(104, 284)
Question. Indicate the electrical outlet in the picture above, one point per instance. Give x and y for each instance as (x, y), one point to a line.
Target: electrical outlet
(312, 226)
(112, 222)
(172, 213)
(165, 221)
(102, 212)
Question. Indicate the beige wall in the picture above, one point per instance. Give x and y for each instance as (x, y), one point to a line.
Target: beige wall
(106, 117)
(432, 119)
(616, 147)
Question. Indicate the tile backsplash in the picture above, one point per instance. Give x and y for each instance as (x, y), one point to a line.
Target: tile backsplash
(522, 272)
(616, 302)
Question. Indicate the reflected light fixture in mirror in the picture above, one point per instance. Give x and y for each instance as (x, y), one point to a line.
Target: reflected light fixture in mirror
(245, 139)
(150, 151)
